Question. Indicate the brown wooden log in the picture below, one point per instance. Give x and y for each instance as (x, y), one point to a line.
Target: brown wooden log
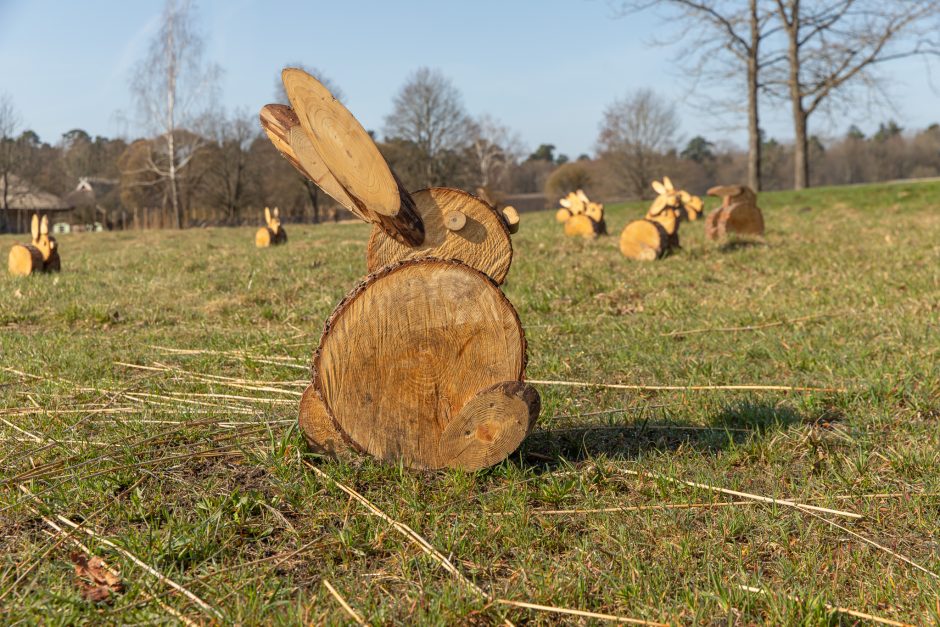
(511, 218)
(25, 259)
(482, 243)
(317, 427)
(265, 237)
(738, 214)
(350, 154)
(562, 215)
(581, 225)
(405, 352)
(644, 240)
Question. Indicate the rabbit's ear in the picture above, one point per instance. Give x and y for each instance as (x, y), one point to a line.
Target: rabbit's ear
(581, 195)
(668, 184)
(267, 216)
(34, 227)
(277, 212)
(564, 202)
(659, 203)
(44, 226)
(659, 188)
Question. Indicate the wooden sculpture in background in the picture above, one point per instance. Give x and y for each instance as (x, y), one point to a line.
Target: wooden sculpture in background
(581, 216)
(657, 233)
(272, 233)
(423, 362)
(738, 213)
(42, 255)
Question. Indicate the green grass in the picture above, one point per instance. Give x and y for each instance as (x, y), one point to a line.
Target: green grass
(201, 487)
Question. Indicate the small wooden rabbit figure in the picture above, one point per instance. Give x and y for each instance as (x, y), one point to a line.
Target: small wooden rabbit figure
(658, 232)
(738, 213)
(42, 255)
(272, 234)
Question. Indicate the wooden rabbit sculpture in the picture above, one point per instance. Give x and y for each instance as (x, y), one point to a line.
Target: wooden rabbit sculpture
(581, 216)
(658, 232)
(738, 213)
(42, 255)
(273, 233)
(423, 362)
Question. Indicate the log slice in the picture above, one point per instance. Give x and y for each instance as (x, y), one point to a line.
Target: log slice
(482, 242)
(405, 352)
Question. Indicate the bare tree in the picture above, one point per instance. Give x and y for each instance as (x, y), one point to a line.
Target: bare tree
(835, 45)
(172, 88)
(428, 111)
(722, 42)
(495, 148)
(228, 176)
(8, 153)
(635, 134)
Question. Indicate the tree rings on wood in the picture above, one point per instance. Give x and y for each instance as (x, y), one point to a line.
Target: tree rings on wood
(491, 426)
(407, 350)
(482, 243)
(644, 240)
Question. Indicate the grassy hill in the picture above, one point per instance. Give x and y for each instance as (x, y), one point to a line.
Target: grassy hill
(148, 394)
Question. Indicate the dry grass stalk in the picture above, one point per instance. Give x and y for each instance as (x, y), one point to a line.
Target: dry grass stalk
(754, 327)
(633, 508)
(445, 563)
(339, 598)
(835, 608)
(746, 495)
(164, 579)
(620, 386)
(880, 547)
(571, 612)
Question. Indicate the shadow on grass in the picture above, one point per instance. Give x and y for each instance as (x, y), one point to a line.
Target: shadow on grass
(737, 243)
(626, 441)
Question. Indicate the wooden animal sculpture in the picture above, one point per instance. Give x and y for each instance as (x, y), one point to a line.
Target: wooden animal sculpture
(657, 233)
(581, 216)
(423, 362)
(738, 213)
(42, 255)
(273, 233)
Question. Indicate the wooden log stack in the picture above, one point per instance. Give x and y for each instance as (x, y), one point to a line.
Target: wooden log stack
(581, 216)
(272, 233)
(423, 362)
(41, 255)
(738, 213)
(657, 234)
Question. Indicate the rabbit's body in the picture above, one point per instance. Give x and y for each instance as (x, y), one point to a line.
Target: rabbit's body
(41, 255)
(737, 214)
(273, 233)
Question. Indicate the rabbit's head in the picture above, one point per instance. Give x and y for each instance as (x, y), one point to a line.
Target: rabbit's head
(41, 238)
(273, 219)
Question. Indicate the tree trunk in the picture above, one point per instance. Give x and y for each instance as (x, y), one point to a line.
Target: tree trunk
(800, 161)
(753, 121)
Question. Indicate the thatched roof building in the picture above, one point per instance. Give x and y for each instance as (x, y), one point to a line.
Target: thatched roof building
(19, 201)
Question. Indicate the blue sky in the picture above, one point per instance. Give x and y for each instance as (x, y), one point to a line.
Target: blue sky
(546, 68)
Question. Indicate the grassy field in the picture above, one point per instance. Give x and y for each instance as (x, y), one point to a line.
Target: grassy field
(148, 396)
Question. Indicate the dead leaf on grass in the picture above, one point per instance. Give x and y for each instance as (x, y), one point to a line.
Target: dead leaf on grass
(96, 582)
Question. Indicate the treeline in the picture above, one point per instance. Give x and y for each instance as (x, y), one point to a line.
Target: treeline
(230, 174)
